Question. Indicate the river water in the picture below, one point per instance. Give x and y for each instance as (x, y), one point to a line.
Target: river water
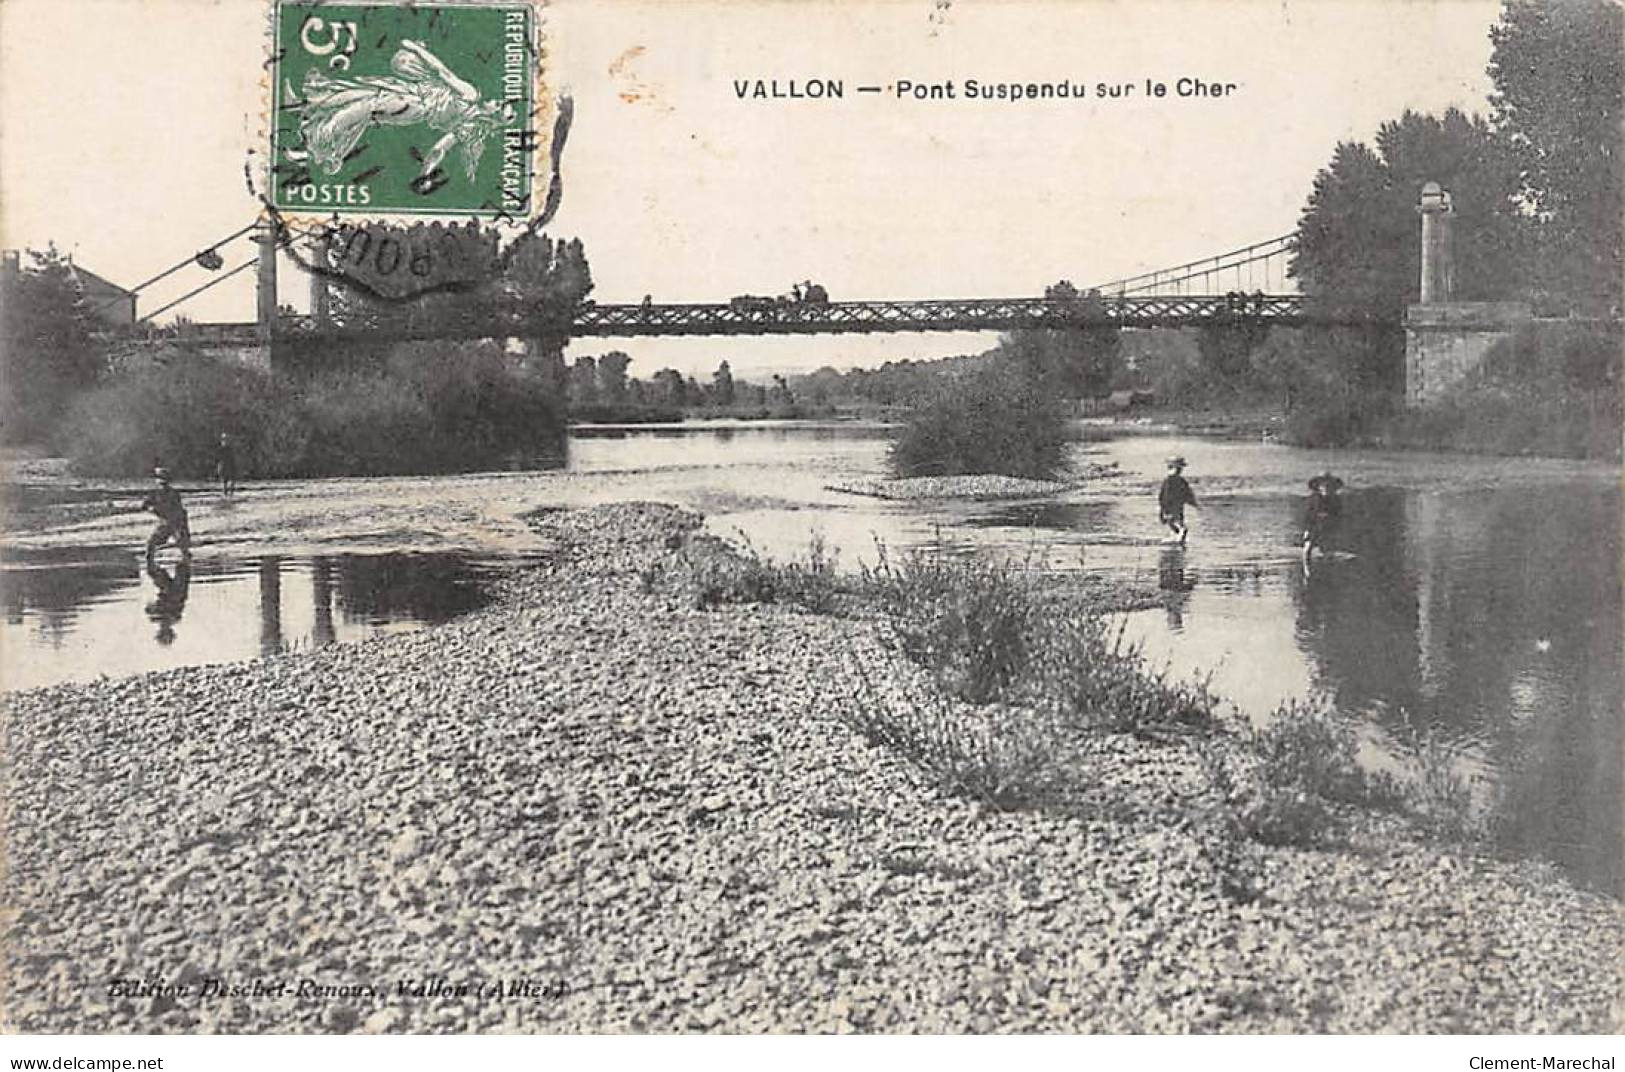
(1476, 601)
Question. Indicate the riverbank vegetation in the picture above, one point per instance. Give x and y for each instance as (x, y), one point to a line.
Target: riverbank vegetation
(1027, 675)
(1536, 190)
(117, 405)
(424, 408)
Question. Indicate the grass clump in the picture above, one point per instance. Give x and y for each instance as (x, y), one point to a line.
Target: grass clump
(1308, 747)
(1438, 798)
(970, 621)
(1093, 680)
(989, 635)
(1003, 757)
(720, 574)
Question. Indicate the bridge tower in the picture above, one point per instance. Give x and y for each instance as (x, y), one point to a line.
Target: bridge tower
(320, 309)
(1445, 340)
(265, 305)
(1438, 267)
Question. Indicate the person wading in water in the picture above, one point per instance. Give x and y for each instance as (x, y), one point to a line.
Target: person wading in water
(165, 501)
(1321, 512)
(225, 464)
(1175, 495)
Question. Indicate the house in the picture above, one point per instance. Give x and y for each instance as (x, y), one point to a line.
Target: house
(108, 302)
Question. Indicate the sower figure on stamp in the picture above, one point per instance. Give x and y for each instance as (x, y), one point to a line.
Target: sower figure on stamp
(165, 502)
(1175, 495)
(338, 112)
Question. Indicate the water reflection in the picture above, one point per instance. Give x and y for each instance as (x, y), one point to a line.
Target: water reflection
(270, 605)
(70, 616)
(1486, 619)
(169, 600)
(1059, 514)
(1173, 578)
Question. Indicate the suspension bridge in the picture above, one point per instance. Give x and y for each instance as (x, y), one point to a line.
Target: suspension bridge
(1247, 282)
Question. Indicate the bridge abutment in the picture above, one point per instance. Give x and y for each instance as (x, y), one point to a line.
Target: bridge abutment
(1446, 341)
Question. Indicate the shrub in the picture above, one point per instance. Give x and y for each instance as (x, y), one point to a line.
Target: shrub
(1089, 677)
(362, 423)
(970, 621)
(1550, 389)
(1437, 797)
(1286, 816)
(993, 420)
(1003, 757)
(1309, 748)
(723, 574)
(174, 413)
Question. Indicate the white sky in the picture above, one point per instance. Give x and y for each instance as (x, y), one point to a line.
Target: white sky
(125, 126)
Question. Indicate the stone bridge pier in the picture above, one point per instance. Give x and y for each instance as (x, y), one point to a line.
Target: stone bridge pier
(1446, 340)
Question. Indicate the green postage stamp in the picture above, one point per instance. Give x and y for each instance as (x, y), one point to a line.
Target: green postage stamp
(422, 109)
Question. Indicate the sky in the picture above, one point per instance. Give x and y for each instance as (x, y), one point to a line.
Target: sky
(125, 126)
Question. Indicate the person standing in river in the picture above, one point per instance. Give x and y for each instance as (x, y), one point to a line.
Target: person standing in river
(172, 522)
(1174, 496)
(1321, 512)
(225, 464)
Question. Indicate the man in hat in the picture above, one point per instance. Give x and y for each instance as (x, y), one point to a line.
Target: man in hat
(1322, 512)
(1175, 495)
(165, 501)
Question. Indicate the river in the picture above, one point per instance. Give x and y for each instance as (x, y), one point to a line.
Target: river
(1473, 600)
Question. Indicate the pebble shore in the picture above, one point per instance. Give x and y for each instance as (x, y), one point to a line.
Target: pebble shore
(592, 807)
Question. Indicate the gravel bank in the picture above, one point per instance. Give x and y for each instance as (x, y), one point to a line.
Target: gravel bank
(986, 486)
(640, 816)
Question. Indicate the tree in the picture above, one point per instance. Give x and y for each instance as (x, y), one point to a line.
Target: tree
(47, 354)
(669, 388)
(612, 377)
(1557, 74)
(583, 387)
(1081, 361)
(530, 290)
(1358, 243)
(780, 395)
(722, 386)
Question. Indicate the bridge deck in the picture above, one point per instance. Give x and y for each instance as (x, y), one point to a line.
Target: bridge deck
(968, 314)
(838, 318)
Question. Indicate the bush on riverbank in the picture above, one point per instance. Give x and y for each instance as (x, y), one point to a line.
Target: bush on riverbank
(430, 408)
(994, 420)
(719, 574)
(969, 621)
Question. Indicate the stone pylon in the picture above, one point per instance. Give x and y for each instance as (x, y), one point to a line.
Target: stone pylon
(1438, 265)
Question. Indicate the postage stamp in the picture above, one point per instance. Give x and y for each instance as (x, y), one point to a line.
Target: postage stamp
(425, 109)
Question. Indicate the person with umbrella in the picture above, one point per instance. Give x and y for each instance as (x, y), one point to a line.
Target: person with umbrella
(1321, 512)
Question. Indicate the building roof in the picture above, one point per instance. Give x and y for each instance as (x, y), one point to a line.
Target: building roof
(91, 281)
